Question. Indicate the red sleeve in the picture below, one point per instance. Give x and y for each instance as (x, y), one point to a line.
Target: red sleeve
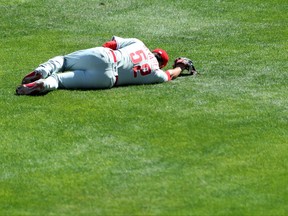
(110, 44)
(168, 74)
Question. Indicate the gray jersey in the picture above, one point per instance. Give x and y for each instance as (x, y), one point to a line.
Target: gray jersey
(136, 64)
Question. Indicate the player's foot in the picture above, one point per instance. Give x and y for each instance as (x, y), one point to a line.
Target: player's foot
(33, 88)
(31, 77)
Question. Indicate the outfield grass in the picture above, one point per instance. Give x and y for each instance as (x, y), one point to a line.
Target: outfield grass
(215, 144)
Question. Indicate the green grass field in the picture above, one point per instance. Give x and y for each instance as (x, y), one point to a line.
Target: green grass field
(216, 144)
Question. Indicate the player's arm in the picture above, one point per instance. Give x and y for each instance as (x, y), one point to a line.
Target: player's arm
(174, 73)
(118, 42)
(170, 74)
(110, 44)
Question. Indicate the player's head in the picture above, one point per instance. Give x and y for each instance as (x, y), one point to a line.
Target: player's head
(162, 57)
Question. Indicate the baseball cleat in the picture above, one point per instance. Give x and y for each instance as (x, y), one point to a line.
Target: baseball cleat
(33, 88)
(32, 77)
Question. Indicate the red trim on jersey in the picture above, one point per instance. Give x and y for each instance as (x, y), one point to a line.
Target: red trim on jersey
(115, 60)
(114, 56)
(110, 44)
(168, 74)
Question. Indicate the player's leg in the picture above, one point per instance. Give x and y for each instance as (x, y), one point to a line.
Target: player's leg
(79, 60)
(83, 80)
(88, 69)
(92, 69)
(85, 60)
(45, 69)
(93, 79)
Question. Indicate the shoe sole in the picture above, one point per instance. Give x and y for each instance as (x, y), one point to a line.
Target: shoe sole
(32, 77)
(27, 90)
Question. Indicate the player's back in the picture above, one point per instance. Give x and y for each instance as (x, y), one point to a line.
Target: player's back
(137, 65)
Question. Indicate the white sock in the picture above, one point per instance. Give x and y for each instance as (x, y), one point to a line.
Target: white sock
(51, 83)
(42, 71)
(52, 66)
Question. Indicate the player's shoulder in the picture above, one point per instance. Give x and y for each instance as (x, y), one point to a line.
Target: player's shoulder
(120, 39)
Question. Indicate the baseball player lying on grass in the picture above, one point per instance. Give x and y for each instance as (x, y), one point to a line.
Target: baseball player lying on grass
(121, 61)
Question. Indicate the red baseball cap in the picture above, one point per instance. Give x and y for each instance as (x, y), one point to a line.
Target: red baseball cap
(163, 55)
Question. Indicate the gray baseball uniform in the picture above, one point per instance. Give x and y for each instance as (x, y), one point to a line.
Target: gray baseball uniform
(98, 68)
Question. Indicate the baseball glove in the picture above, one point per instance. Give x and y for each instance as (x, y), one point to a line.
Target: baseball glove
(185, 64)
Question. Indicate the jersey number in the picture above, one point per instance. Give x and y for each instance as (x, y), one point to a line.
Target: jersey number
(136, 58)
